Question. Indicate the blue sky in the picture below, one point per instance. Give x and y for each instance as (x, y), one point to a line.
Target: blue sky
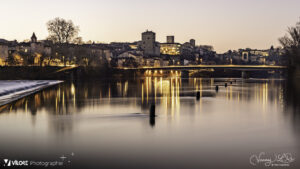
(225, 24)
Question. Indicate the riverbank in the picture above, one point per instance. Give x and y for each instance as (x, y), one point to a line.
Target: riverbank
(52, 72)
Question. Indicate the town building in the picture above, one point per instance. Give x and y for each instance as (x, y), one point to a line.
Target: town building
(193, 43)
(94, 54)
(245, 56)
(170, 39)
(3, 53)
(186, 47)
(149, 44)
(254, 55)
(170, 48)
(131, 57)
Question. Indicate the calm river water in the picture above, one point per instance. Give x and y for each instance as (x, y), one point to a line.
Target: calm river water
(106, 124)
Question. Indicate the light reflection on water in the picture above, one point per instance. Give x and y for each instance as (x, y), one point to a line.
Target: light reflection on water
(108, 122)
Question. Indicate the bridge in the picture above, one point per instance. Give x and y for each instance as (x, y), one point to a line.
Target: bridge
(195, 67)
(215, 70)
(66, 68)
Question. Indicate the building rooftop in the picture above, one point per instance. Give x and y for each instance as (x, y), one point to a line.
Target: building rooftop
(148, 32)
(3, 41)
(170, 43)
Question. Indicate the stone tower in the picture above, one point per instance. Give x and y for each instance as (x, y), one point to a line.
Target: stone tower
(148, 42)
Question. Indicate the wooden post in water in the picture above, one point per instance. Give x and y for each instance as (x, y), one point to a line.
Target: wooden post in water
(152, 110)
(217, 88)
(198, 96)
(152, 115)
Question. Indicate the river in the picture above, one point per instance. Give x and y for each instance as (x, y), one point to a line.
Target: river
(106, 123)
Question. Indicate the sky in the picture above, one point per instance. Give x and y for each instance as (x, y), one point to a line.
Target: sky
(224, 24)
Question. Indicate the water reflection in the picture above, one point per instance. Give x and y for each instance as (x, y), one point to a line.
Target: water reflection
(168, 93)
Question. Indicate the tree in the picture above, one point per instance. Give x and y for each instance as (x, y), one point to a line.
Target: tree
(291, 45)
(78, 41)
(62, 31)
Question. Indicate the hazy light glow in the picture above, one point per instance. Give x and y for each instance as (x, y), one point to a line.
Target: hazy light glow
(225, 24)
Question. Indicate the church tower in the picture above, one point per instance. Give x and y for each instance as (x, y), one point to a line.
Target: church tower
(33, 38)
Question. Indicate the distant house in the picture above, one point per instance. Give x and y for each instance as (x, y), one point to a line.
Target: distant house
(133, 58)
(165, 63)
(3, 53)
(255, 56)
(157, 63)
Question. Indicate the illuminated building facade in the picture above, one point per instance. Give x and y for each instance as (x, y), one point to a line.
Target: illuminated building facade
(258, 56)
(264, 53)
(170, 48)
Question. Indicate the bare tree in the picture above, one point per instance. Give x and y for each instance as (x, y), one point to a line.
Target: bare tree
(291, 44)
(62, 31)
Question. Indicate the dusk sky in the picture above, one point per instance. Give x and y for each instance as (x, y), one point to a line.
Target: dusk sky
(225, 24)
